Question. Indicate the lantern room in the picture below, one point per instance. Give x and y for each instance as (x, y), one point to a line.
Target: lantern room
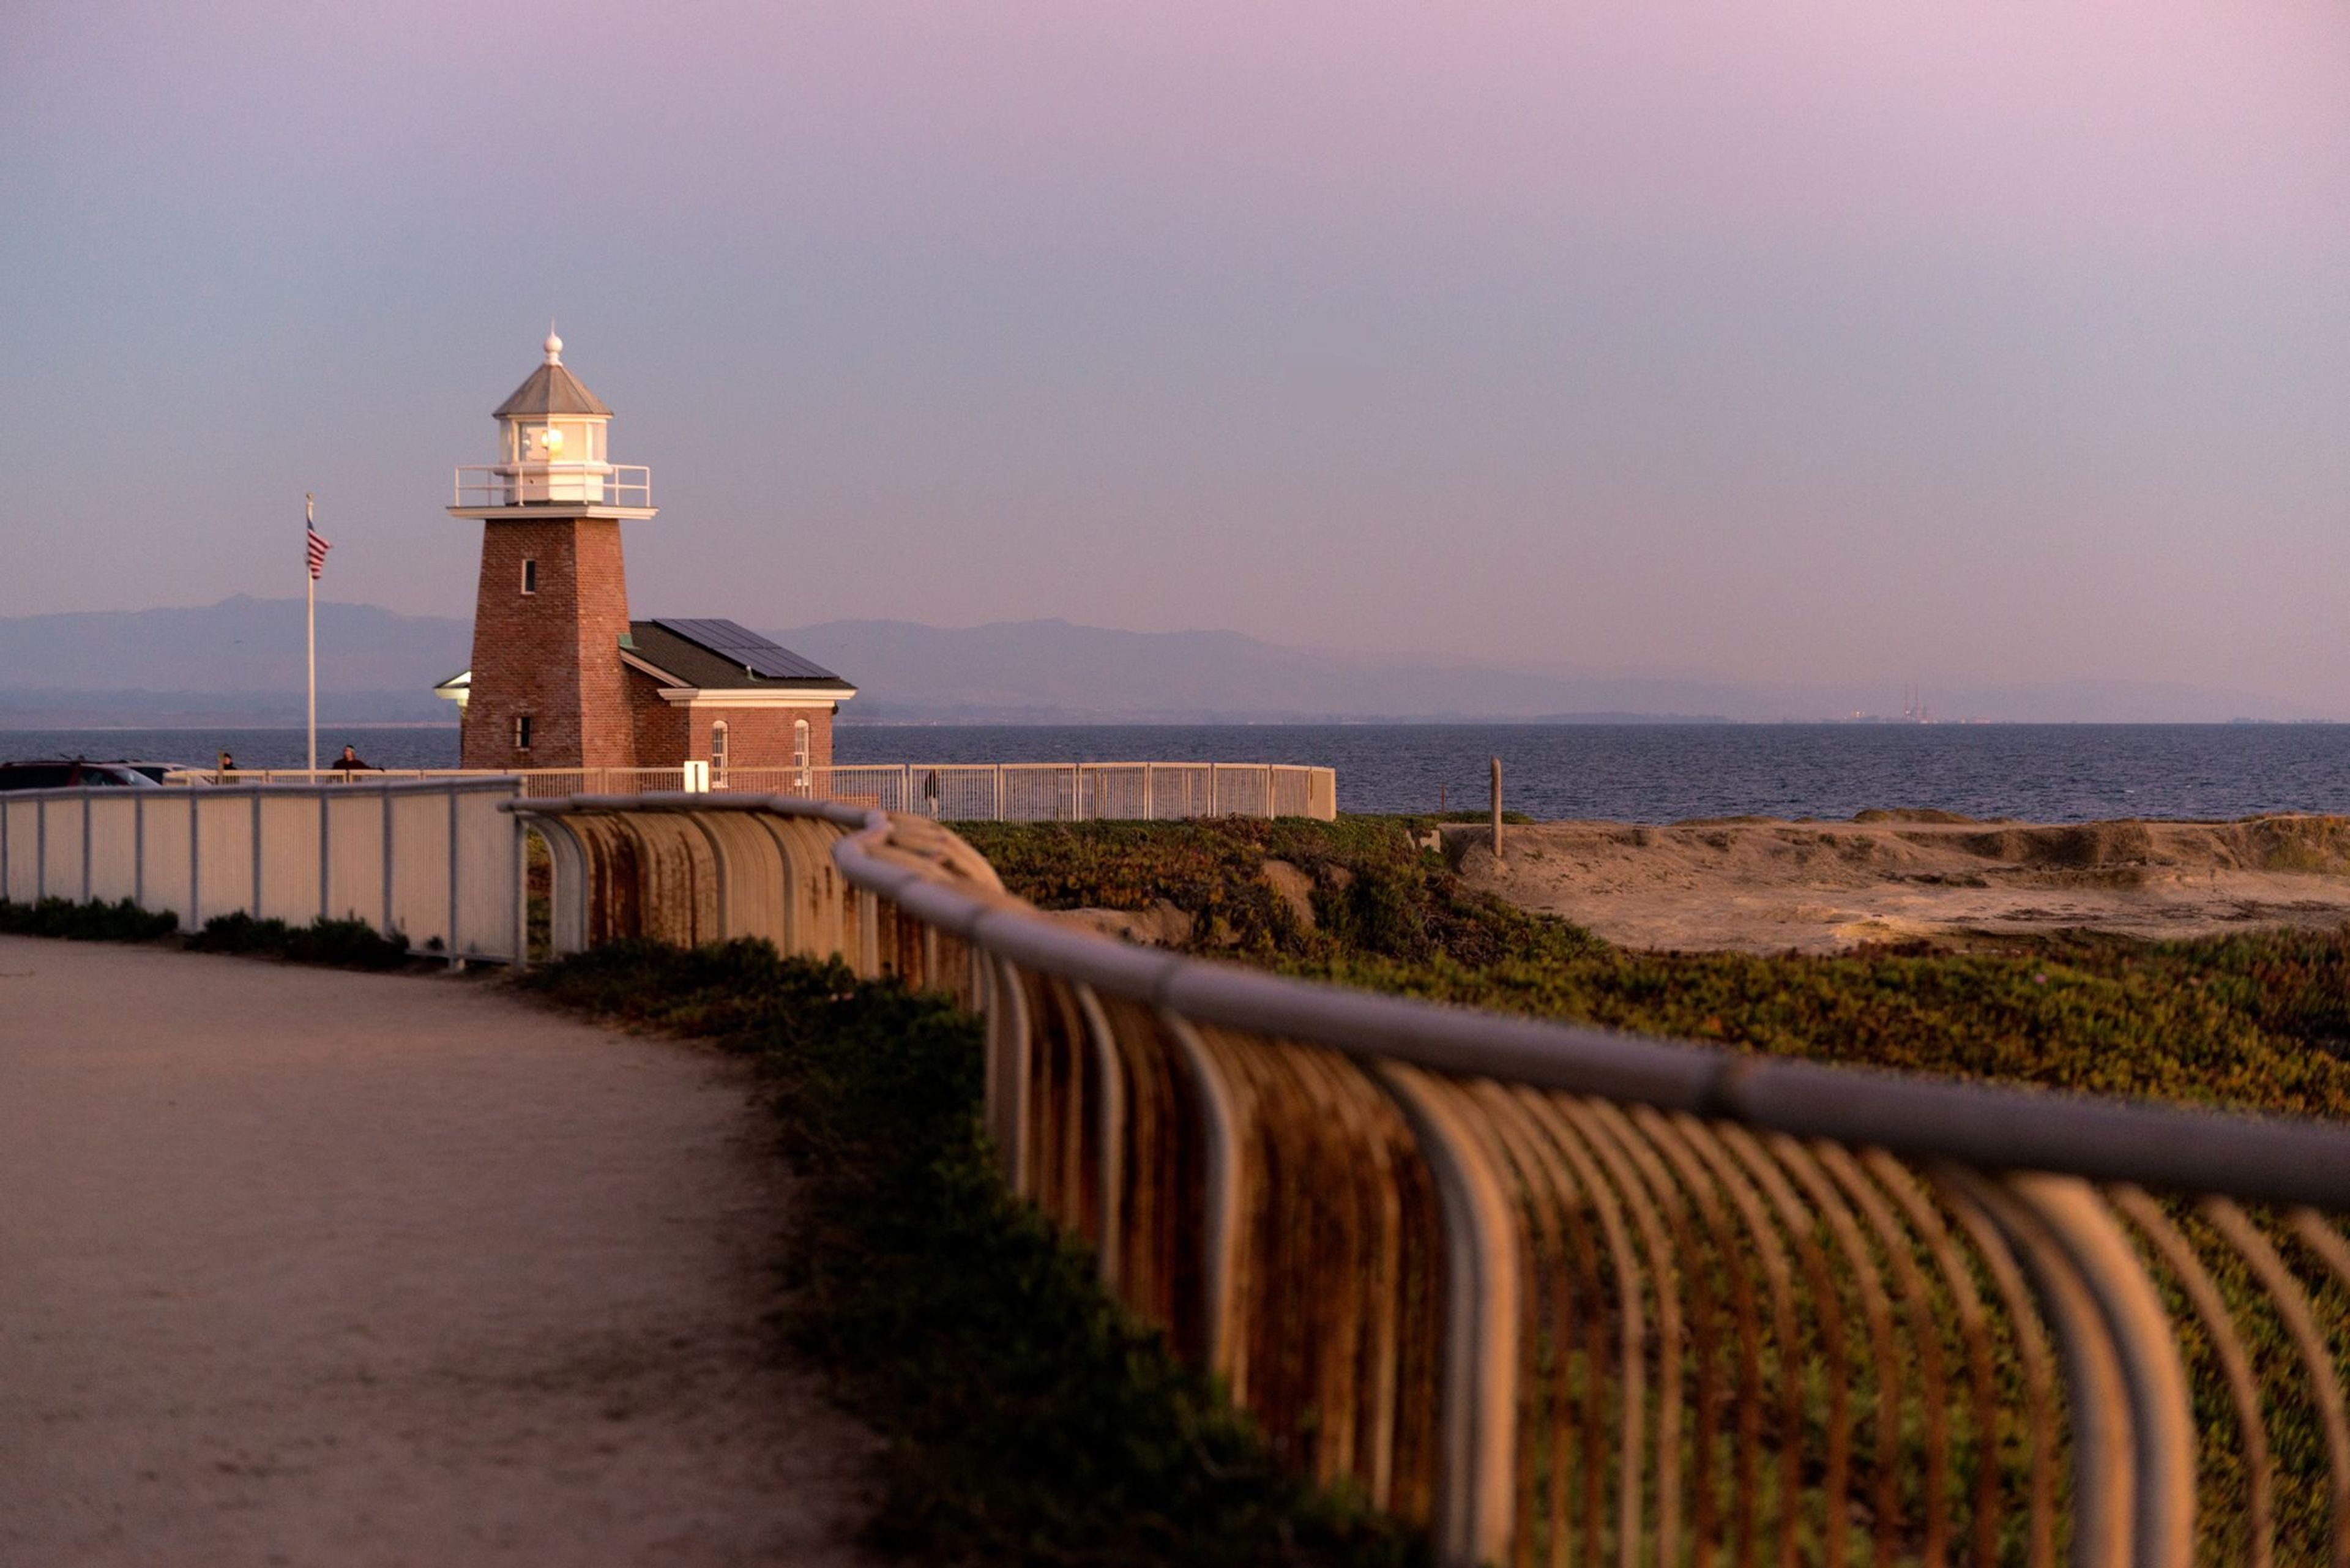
(552, 453)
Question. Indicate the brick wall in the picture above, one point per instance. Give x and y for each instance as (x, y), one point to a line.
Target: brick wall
(553, 654)
(762, 737)
(668, 734)
(661, 726)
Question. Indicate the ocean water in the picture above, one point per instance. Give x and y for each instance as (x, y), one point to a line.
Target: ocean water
(1631, 773)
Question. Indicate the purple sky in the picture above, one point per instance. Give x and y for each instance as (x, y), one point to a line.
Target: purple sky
(1971, 342)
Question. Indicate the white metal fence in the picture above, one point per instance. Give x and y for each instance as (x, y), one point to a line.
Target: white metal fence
(948, 791)
(537, 783)
(435, 860)
(1057, 792)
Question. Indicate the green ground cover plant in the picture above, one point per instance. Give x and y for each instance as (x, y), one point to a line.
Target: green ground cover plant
(1028, 1418)
(92, 922)
(2257, 1022)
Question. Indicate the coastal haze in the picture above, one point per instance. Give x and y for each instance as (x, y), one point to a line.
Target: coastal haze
(240, 662)
(1697, 359)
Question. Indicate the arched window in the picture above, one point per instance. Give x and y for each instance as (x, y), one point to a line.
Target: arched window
(718, 755)
(800, 753)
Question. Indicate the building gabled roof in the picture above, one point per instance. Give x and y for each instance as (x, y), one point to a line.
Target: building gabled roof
(552, 389)
(710, 655)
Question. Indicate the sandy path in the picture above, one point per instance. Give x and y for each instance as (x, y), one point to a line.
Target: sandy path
(1768, 886)
(305, 1267)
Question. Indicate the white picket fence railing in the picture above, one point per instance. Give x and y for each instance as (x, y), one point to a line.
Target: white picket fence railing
(947, 792)
(436, 860)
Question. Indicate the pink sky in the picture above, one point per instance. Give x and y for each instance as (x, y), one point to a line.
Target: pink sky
(1971, 341)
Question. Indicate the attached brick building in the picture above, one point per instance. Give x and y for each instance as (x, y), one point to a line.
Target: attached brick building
(561, 677)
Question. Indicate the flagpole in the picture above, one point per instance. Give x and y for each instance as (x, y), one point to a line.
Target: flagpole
(310, 590)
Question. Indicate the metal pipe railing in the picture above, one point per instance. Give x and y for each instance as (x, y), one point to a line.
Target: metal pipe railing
(1567, 1295)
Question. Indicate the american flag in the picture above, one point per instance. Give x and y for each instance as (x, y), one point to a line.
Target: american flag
(318, 547)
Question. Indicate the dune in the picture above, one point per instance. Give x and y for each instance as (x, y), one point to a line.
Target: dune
(1764, 886)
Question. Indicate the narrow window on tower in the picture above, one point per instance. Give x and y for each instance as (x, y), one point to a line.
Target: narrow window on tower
(529, 576)
(522, 731)
(800, 753)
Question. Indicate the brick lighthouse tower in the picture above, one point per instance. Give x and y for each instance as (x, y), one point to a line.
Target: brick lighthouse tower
(551, 618)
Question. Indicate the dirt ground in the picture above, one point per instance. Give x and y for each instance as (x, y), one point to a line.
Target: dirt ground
(303, 1267)
(1759, 885)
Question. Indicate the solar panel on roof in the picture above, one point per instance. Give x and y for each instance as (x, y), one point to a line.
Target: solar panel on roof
(747, 649)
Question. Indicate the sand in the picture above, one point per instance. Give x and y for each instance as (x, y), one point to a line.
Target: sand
(303, 1267)
(1770, 887)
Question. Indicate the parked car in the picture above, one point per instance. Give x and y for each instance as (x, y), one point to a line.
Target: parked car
(74, 773)
(157, 770)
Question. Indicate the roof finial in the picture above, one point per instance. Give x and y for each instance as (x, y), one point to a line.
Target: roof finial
(554, 345)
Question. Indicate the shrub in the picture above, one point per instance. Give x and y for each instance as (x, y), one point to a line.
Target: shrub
(92, 922)
(2259, 1022)
(343, 944)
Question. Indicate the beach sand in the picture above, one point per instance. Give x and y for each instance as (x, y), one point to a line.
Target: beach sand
(1760, 886)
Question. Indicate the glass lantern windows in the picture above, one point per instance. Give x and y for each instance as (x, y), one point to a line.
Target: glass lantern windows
(555, 458)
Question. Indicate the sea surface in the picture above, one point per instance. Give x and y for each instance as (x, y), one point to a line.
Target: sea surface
(1631, 773)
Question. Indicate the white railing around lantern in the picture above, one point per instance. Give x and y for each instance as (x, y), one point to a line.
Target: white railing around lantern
(499, 484)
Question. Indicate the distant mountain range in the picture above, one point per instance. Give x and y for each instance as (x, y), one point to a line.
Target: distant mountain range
(240, 662)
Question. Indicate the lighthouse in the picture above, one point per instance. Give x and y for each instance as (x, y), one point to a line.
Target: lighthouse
(561, 677)
(551, 613)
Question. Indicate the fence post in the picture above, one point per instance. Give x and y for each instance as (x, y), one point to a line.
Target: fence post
(1219, 1212)
(456, 958)
(1150, 792)
(195, 863)
(522, 894)
(383, 798)
(40, 848)
(84, 849)
(1497, 811)
(138, 852)
(1478, 1413)
(326, 857)
(256, 854)
(999, 791)
(1007, 1070)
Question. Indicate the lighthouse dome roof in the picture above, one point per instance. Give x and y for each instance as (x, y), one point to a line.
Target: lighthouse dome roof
(552, 388)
